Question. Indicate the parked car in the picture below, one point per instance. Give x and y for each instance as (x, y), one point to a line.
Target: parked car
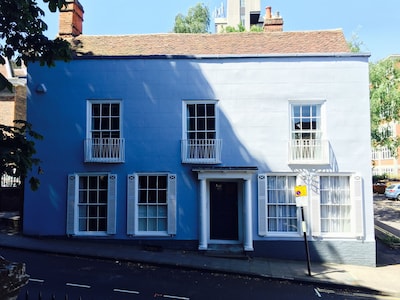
(393, 191)
(379, 187)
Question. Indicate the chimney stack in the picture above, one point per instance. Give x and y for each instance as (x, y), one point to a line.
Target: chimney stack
(71, 19)
(272, 23)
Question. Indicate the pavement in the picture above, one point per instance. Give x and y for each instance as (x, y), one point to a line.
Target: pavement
(380, 282)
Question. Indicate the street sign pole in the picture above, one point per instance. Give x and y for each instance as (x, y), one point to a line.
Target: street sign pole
(300, 193)
(303, 222)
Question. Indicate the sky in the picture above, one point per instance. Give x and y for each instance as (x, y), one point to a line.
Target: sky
(374, 23)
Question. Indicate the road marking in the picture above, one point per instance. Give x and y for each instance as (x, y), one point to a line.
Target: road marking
(78, 285)
(384, 231)
(36, 280)
(175, 297)
(317, 293)
(126, 291)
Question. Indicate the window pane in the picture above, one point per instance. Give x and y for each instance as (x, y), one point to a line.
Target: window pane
(92, 182)
(201, 124)
(162, 196)
(210, 110)
(143, 196)
(162, 225)
(162, 211)
(191, 109)
(142, 224)
(114, 123)
(201, 111)
(142, 182)
(83, 197)
(102, 197)
(115, 109)
(152, 224)
(152, 182)
(152, 196)
(142, 211)
(105, 110)
(103, 182)
(152, 211)
(95, 109)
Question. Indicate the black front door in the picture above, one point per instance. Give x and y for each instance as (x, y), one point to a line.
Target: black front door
(224, 214)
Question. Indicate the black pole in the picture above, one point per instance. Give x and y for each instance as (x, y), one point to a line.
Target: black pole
(305, 240)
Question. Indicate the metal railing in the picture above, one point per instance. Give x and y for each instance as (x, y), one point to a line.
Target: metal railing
(105, 150)
(304, 151)
(201, 151)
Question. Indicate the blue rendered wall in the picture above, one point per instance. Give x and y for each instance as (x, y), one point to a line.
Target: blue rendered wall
(151, 92)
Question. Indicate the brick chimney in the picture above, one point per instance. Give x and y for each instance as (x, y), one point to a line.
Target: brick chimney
(272, 23)
(71, 19)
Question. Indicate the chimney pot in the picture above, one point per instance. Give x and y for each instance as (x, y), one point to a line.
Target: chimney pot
(268, 14)
(274, 23)
(71, 19)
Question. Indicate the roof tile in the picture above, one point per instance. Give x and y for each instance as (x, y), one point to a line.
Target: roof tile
(244, 43)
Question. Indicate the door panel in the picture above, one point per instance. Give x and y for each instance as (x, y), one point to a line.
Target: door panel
(224, 214)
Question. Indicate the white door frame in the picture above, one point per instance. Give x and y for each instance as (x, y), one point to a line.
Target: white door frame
(205, 176)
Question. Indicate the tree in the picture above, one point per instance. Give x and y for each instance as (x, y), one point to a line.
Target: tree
(22, 38)
(241, 28)
(197, 20)
(17, 151)
(385, 103)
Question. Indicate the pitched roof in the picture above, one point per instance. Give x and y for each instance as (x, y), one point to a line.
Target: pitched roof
(244, 43)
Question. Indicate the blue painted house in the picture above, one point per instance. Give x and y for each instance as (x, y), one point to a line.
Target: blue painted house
(199, 142)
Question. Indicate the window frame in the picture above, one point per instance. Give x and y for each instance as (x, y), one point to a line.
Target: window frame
(310, 102)
(313, 209)
(314, 149)
(97, 148)
(73, 205)
(200, 150)
(356, 214)
(89, 118)
(133, 205)
(185, 116)
(263, 207)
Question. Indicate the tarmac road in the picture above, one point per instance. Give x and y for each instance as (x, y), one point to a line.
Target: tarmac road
(387, 222)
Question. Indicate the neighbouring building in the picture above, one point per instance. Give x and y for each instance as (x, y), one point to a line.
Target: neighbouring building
(245, 13)
(199, 141)
(383, 161)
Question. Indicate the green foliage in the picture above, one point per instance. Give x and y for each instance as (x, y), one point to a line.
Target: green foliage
(197, 20)
(385, 103)
(255, 28)
(22, 39)
(241, 28)
(21, 33)
(355, 44)
(17, 149)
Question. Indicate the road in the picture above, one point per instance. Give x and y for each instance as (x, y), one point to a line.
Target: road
(56, 276)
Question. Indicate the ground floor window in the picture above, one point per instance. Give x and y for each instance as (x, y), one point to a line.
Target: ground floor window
(151, 204)
(91, 204)
(335, 204)
(281, 204)
(278, 213)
